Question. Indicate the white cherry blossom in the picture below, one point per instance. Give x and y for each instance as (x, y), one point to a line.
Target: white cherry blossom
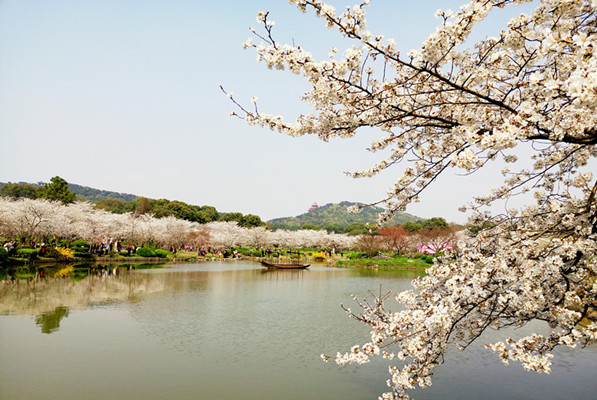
(456, 104)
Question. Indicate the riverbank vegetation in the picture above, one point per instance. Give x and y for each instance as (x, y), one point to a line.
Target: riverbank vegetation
(46, 231)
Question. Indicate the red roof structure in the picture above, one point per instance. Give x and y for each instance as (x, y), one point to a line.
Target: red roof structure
(313, 206)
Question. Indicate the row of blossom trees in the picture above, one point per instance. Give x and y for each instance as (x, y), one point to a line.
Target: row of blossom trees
(38, 219)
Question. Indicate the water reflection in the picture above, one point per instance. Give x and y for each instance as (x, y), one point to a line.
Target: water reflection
(52, 296)
(50, 321)
(276, 274)
(230, 330)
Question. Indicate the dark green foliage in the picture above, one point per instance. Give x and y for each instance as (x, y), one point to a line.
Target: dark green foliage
(51, 252)
(435, 223)
(116, 206)
(29, 254)
(160, 253)
(209, 213)
(96, 195)
(360, 229)
(145, 252)
(312, 227)
(250, 221)
(336, 218)
(334, 228)
(79, 243)
(3, 256)
(232, 217)
(246, 221)
(57, 189)
(142, 205)
(411, 226)
(356, 255)
(33, 191)
(202, 214)
(21, 190)
(247, 252)
(356, 228)
(183, 211)
(475, 229)
(80, 249)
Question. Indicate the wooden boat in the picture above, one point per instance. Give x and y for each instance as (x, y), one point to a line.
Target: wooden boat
(272, 265)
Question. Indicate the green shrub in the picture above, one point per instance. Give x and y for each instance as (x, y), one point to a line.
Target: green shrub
(357, 255)
(3, 256)
(247, 252)
(145, 252)
(80, 249)
(79, 243)
(51, 252)
(160, 253)
(29, 254)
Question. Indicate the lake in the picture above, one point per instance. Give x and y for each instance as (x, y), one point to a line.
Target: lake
(235, 331)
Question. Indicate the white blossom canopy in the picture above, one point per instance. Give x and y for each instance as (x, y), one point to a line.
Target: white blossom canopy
(452, 104)
(40, 218)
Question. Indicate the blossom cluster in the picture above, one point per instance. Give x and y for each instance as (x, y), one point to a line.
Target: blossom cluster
(453, 104)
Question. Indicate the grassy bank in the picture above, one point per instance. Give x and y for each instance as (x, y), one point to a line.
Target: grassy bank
(400, 262)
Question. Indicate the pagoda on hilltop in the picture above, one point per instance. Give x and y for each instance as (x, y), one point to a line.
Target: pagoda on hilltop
(313, 206)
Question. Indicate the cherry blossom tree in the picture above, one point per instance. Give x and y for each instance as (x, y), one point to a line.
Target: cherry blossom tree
(438, 240)
(224, 234)
(453, 104)
(28, 218)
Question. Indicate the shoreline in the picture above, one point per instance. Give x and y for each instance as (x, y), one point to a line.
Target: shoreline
(155, 260)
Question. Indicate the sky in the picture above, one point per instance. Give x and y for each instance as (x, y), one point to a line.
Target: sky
(124, 96)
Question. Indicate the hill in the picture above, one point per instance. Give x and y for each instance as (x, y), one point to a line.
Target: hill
(119, 203)
(336, 218)
(85, 192)
(95, 195)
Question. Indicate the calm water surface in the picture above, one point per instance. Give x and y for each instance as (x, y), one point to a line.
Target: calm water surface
(232, 331)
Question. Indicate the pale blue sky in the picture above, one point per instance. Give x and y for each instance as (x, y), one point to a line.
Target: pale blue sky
(124, 96)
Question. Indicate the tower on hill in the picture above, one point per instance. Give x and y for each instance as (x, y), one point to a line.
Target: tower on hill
(313, 206)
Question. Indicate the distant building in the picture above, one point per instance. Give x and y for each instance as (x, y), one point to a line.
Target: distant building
(313, 206)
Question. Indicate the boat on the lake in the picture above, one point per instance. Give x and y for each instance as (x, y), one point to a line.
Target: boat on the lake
(273, 265)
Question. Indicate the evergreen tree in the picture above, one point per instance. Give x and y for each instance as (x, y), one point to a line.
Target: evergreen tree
(57, 189)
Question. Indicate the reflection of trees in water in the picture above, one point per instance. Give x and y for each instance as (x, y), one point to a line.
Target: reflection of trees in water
(198, 309)
(50, 321)
(283, 274)
(45, 296)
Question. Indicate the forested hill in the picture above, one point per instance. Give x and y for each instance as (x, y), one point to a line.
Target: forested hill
(85, 192)
(336, 218)
(95, 195)
(120, 203)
